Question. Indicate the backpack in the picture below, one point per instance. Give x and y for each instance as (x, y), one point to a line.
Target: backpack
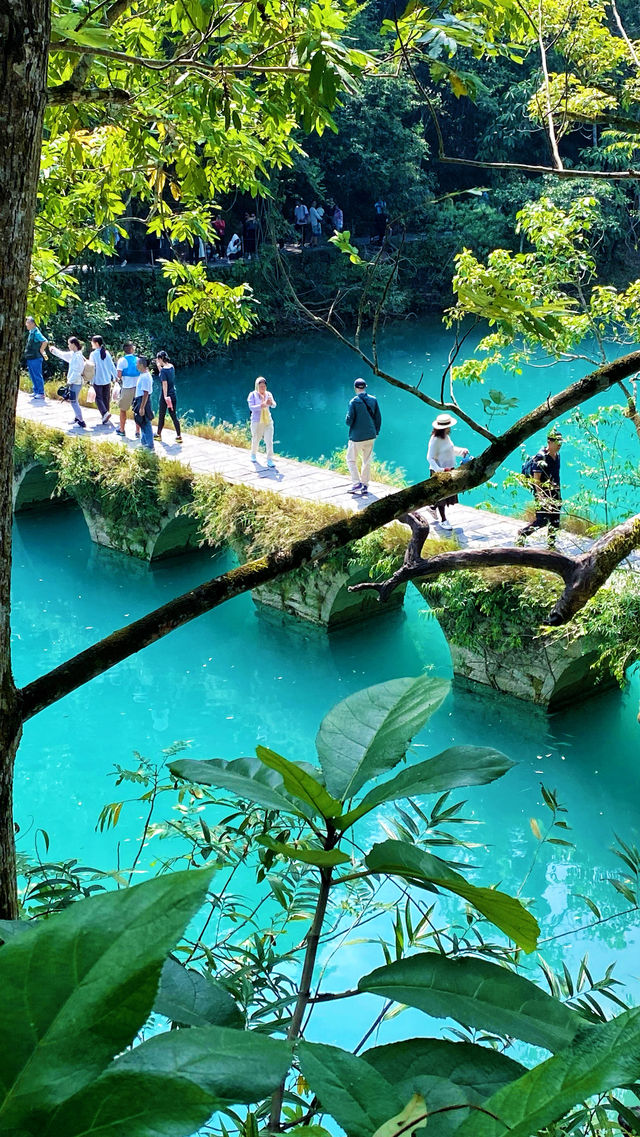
(89, 372)
(528, 466)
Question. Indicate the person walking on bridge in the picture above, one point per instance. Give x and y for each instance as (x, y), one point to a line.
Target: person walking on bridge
(35, 353)
(364, 421)
(441, 456)
(260, 401)
(168, 397)
(127, 372)
(545, 483)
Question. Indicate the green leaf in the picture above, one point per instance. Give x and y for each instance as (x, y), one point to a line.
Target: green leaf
(355, 1095)
(477, 994)
(458, 766)
(370, 731)
(171, 1084)
(422, 868)
(192, 998)
(249, 778)
(302, 784)
(320, 857)
(11, 928)
(445, 1073)
(76, 990)
(602, 1058)
(408, 1121)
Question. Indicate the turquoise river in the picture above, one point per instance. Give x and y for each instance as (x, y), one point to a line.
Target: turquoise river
(234, 679)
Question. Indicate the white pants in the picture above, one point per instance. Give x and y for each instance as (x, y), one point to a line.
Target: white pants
(262, 430)
(364, 450)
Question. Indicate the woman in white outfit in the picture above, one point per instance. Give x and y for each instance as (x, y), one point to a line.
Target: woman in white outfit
(441, 456)
(260, 401)
(76, 362)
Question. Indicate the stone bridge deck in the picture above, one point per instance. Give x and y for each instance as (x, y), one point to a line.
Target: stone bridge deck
(472, 527)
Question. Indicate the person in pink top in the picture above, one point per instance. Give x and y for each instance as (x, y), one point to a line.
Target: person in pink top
(260, 401)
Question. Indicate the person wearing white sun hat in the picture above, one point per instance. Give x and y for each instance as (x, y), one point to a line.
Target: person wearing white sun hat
(441, 456)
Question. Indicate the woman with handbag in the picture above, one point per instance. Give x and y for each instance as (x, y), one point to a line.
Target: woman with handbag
(168, 398)
(441, 457)
(105, 373)
(76, 361)
(260, 401)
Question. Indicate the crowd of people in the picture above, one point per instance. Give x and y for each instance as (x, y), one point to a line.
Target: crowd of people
(311, 221)
(129, 383)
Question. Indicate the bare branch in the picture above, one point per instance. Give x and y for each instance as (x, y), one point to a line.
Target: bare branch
(583, 575)
(67, 93)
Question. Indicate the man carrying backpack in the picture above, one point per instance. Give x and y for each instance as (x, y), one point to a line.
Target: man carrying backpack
(364, 421)
(543, 473)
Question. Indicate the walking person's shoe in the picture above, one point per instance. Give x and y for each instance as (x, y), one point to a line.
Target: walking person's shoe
(79, 422)
(363, 491)
(521, 540)
(270, 462)
(355, 488)
(445, 524)
(120, 432)
(105, 418)
(254, 458)
(179, 439)
(158, 435)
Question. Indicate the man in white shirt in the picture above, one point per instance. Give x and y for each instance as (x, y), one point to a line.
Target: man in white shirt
(142, 403)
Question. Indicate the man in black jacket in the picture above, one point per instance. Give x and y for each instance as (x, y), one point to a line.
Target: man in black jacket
(546, 490)
(364, 421)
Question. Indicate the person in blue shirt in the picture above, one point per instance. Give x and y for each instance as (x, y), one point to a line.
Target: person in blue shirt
(364, 421)
(35, 352)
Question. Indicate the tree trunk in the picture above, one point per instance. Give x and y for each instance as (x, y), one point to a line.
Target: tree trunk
(24, 36)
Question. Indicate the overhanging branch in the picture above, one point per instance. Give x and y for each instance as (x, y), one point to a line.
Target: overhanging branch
(583, 575)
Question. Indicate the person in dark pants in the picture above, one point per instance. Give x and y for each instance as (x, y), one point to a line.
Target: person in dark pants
(546, 490)
(168, 400)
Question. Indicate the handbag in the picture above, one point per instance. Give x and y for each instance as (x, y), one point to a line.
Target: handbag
(91, 394)
(65, 392)
(89, 372)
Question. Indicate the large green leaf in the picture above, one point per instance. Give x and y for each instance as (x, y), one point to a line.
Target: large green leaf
(170, 1085)
(399, 858)
(77, 988)
(322, 858)
(301, 783)
(458, 766)
(602, 1058)
(348, 1088)
(369, 733)
(194, 999)
(445, 1073)
(477, 994)
(249, 778)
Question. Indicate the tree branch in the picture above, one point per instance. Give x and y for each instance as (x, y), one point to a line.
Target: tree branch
(583, 575)
(319, 545)
(66, 93)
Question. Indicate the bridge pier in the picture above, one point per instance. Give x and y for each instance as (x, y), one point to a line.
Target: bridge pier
(174, 533)
(320, 595)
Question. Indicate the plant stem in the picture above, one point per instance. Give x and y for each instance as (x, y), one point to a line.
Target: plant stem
(304, 991)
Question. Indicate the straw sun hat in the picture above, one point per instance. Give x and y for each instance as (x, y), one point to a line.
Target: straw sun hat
(444, 422)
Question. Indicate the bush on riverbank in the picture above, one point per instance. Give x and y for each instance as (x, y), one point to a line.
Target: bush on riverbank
(503, 609)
